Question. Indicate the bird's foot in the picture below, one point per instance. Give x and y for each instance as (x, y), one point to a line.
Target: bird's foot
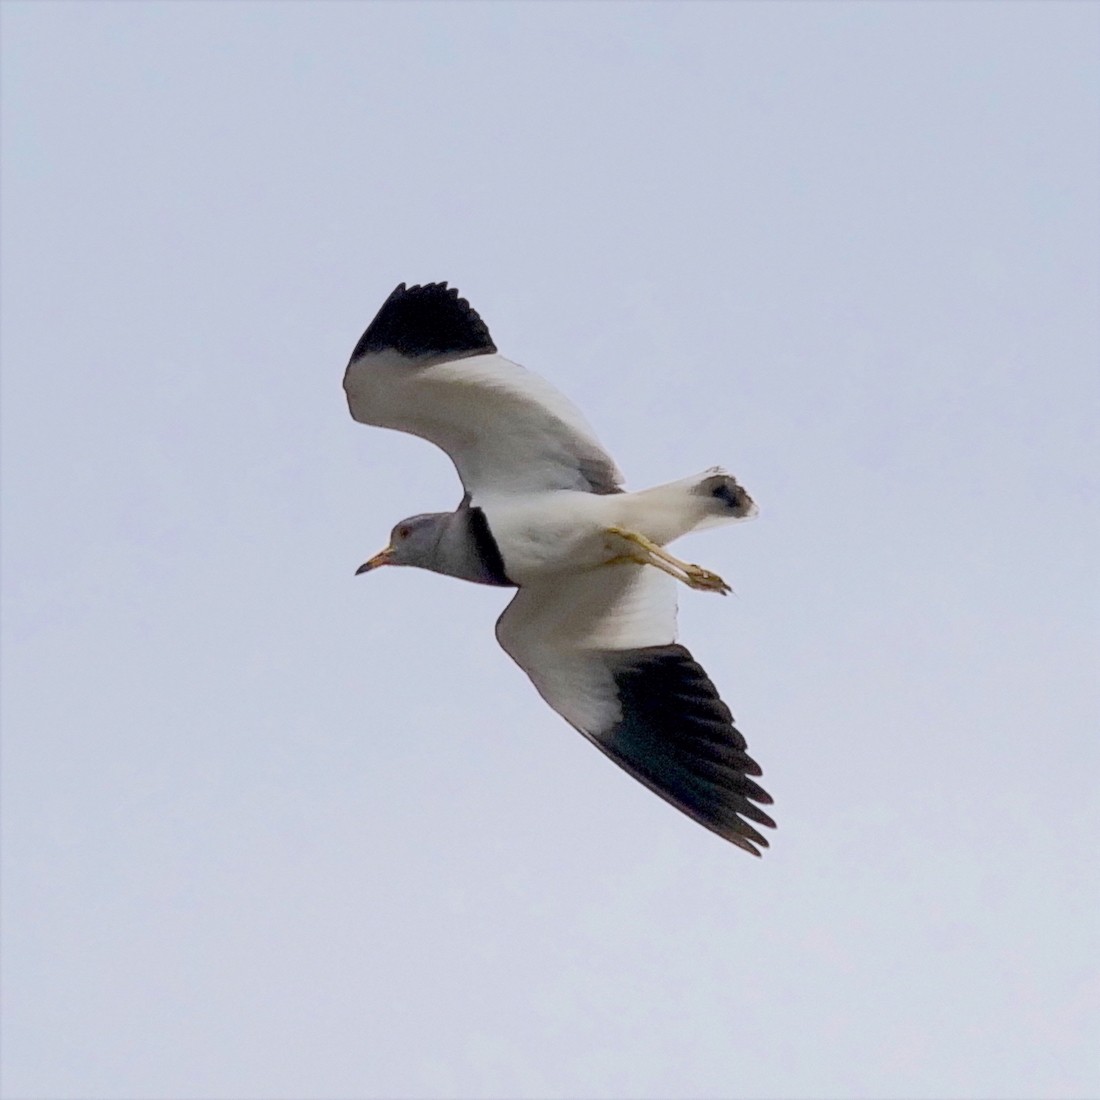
(644, 551)
(695, 576)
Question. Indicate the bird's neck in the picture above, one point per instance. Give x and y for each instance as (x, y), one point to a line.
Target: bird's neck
(467, 549)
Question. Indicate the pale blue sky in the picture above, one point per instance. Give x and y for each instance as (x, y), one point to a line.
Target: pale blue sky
(272, 830)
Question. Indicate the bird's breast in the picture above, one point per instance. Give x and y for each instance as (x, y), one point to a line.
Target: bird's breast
(544, 533)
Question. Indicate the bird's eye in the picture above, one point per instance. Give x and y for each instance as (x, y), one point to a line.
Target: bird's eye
(403, 532)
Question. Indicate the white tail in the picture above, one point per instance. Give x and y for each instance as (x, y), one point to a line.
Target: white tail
(667, 512)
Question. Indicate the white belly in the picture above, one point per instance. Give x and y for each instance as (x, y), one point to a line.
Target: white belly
(545, 533)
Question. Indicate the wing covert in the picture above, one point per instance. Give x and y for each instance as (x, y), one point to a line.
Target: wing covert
(427, 365)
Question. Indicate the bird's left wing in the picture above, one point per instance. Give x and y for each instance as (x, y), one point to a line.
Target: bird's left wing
(600, 648)
(428, 366)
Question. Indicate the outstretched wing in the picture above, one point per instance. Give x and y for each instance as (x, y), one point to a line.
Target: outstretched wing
(428, 366)
(600, 648)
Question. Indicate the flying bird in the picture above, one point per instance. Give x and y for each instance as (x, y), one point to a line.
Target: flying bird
(593, 620)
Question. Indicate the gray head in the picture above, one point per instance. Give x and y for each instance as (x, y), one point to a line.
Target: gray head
(414, 541)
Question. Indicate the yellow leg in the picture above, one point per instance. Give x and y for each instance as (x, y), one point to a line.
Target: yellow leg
(649, 553)
(639, 558)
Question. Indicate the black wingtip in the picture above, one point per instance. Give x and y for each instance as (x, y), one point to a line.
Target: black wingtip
(678, 737)
(429, 320)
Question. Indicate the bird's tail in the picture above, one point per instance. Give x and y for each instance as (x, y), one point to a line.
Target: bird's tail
(667, 512)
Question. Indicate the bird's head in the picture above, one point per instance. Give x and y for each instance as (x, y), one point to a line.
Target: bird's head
(412, 542)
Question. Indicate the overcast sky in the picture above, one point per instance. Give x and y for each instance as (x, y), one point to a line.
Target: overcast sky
(273, 830)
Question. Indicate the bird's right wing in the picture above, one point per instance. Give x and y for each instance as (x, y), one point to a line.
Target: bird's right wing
(428, 366)
(600, 648)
